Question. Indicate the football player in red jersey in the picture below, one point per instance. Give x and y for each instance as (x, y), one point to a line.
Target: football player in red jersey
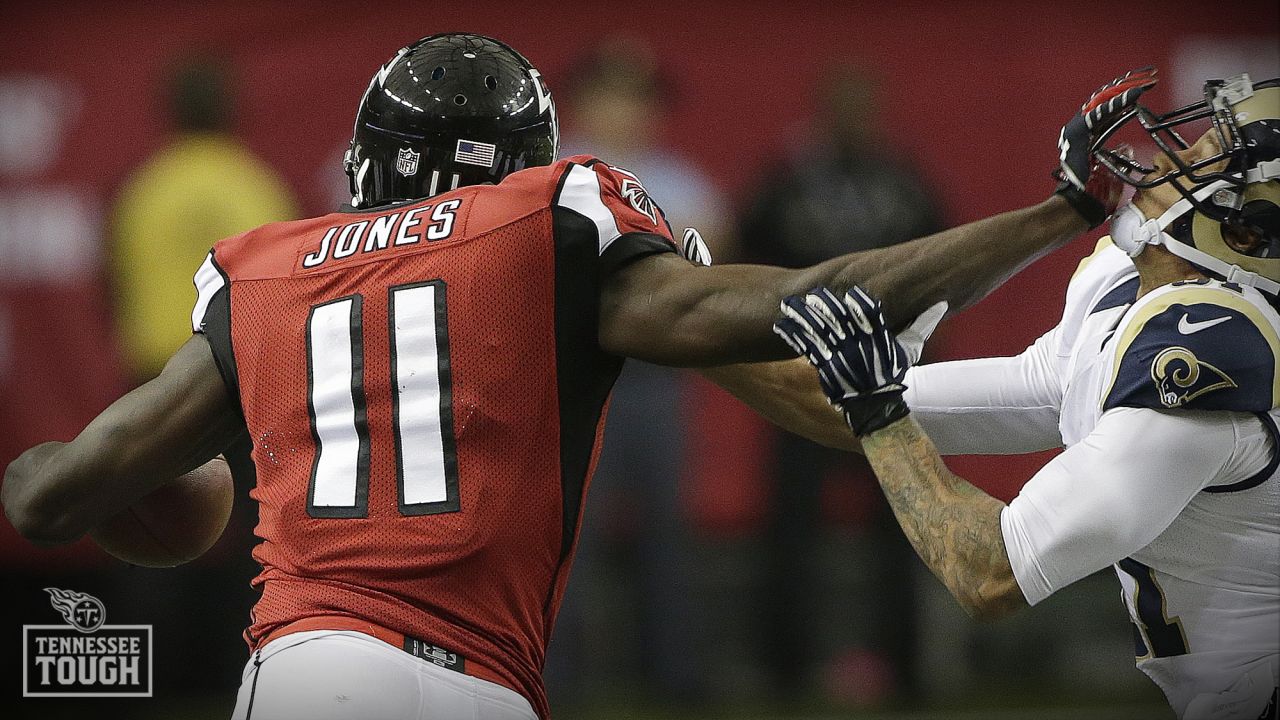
(424, 376)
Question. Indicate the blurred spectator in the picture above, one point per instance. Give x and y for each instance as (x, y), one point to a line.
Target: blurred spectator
(203, 186)
(616, 100)
(841, 189)
(50, 251)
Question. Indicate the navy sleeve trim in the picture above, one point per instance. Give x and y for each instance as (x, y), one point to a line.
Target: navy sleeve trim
(1123, 294)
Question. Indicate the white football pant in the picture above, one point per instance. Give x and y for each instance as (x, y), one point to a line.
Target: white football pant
(345, 675)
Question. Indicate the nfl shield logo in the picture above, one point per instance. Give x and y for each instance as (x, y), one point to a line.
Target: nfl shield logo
(407, 162)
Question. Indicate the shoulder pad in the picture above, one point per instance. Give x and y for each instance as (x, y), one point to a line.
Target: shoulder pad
(622, 192)
(1204, 345)
(582, 159)
(1104, 280)
(1105, 259)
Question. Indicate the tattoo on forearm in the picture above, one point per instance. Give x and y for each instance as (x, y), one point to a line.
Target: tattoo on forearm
(954, 526)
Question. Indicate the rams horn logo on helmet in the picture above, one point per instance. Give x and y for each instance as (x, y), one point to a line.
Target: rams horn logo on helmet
(82, 611)
(1179, 379)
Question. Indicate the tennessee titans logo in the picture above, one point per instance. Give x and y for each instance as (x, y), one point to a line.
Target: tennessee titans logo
(1181, 377)
(407, 162)
(82, 611)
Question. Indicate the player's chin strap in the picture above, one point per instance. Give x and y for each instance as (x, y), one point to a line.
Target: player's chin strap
(1132, 232)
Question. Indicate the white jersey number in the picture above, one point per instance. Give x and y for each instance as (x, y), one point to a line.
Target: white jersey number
(421, 402)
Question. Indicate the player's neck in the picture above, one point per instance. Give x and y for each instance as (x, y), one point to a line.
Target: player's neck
(1158, 267)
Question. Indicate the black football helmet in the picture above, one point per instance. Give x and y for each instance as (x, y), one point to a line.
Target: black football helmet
(1238, 186)
(449, 110)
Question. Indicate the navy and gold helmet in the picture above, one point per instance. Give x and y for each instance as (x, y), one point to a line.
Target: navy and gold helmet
(1235, 191)
(449, 110)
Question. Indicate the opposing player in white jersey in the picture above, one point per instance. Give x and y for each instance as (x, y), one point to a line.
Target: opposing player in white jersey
(1162, 381)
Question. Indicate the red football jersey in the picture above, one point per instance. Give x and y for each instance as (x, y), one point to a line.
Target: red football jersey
(425, 395)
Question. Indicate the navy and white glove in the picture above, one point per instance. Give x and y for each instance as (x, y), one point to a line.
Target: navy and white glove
(860, 363)
(1092, 190)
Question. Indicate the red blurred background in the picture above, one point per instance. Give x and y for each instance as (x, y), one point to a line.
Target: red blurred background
(973, 93)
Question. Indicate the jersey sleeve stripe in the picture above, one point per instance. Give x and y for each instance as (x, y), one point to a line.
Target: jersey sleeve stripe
(581, 193)
(1189, 296)
(208, 281)
(1122, 294)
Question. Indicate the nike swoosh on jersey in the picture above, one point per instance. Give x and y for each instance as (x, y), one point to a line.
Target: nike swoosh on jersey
(1186, 327)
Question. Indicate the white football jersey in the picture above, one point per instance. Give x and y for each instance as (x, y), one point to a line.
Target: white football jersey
(1204, 594)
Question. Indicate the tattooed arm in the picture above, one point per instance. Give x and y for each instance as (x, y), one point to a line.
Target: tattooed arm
(1092, 505)
(954, 526)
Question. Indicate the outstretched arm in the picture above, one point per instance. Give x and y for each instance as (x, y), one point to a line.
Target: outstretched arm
(662, 309)
(955, 523)
(659, 309)
(1091, 506)
(55, 492)
(953, 526)
(786, 393)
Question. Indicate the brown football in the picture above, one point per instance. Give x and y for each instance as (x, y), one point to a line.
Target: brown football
(174, 524)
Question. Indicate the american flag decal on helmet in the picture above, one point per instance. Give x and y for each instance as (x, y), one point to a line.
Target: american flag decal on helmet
(475, 153)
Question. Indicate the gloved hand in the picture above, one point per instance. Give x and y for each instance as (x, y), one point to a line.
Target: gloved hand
(1093, 191)
(860, 363)
(694, 248)
(918, 332)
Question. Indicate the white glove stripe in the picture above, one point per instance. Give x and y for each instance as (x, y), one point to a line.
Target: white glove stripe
(884, 348)
(859, 317)
(793, 343)
(821, 329)
(844, 372)
(867, 302)
(807, 329)
(823, 310)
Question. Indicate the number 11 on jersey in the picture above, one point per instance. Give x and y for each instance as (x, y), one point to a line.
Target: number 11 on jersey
(421, 404)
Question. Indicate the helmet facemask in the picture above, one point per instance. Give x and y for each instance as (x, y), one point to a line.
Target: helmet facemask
(1229, 194)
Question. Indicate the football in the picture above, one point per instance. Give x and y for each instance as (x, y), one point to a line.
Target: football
(176, 523)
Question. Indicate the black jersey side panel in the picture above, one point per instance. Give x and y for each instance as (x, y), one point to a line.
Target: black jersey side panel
(584, 373)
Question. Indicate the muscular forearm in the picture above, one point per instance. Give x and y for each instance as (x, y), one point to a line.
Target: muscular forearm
(961, 265)
(663, 310)
(787, 394)
(55, 492)
(954, 526)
